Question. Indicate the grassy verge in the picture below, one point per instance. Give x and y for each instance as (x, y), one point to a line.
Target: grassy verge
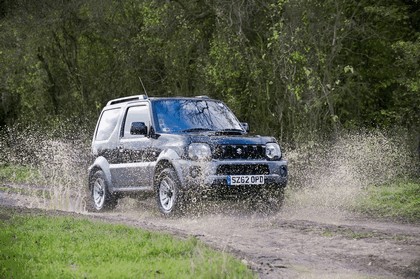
(18, 174)
(42, 246)
(398, 200)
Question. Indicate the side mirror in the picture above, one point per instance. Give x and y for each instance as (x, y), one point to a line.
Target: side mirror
(138, 128)
(245, 126)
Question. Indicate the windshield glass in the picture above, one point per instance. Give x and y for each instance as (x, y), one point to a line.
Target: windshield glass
(181, 115)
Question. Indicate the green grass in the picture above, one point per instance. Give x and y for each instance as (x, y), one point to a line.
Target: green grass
(399, 200)
(28, 192)
(18, 174)
(347, 233)
(42, 246)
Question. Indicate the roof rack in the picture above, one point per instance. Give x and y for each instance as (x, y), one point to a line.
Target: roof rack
(203, 97)
(126, 99)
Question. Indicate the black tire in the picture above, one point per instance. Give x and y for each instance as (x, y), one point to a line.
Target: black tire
(169, 196)
(101, 199)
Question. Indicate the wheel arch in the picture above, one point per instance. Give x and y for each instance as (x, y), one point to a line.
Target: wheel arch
(160, 166)
(103, 165)
(168, 159)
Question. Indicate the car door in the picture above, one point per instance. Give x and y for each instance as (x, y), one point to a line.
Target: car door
(133, 166)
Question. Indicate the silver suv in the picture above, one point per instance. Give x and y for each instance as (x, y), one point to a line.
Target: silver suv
(179, 148)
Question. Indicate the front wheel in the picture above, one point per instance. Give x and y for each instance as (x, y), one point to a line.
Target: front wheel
(101, 198)
(168, 194)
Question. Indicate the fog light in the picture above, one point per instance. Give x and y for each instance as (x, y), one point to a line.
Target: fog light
(195, 171)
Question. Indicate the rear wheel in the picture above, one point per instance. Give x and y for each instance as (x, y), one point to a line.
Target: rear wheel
(101, 198)
(168, 194)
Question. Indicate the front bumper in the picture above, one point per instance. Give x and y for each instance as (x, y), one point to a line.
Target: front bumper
(212, 175)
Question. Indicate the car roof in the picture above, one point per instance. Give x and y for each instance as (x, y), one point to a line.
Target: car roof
(139, 98)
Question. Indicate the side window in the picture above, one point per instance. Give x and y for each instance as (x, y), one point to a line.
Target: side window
(107, 124)
(136, 114)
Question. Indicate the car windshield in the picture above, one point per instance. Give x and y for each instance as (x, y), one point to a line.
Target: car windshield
(186, 115)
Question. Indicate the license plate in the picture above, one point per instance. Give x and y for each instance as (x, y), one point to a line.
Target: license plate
(245, 179)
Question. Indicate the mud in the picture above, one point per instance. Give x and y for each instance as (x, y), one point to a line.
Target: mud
(306, 243)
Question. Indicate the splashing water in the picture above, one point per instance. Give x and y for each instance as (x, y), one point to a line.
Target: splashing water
(65, 170)
(333, 176)
(60, 168)
(323, 176)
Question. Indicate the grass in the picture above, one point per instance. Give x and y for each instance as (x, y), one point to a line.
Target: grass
(18, 174)
(347, 233)
(43, 246)
(26, 191)
(398, 200)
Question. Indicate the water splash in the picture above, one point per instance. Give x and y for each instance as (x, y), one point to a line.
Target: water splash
(333, 175)
(328, 176)
(60, 167)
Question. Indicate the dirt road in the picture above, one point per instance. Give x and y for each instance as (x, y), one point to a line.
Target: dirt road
(294, 243)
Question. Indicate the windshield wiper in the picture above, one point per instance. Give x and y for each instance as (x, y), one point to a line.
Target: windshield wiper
(230, 131)
(196, 130)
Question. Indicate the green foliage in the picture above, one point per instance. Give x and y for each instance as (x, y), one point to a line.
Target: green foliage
(41, 246)
(296, 69)
(399, 200)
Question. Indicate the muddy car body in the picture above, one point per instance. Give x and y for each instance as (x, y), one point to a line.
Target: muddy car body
(178, 148)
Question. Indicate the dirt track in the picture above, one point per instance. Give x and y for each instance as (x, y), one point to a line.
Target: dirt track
(294, 243)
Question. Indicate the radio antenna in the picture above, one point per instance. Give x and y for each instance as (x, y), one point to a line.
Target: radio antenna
(144, 88)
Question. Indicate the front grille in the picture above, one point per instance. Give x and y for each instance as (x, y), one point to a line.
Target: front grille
(239, 152)
(243, 169)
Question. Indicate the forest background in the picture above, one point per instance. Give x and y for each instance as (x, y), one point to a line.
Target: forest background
(300, 70)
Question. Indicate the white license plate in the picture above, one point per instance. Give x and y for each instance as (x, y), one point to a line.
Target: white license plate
(245, 179)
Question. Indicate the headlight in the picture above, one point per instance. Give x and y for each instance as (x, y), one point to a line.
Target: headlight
(272, 151)
(199, 151)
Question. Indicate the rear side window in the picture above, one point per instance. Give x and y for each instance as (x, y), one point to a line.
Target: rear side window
(107, 124)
